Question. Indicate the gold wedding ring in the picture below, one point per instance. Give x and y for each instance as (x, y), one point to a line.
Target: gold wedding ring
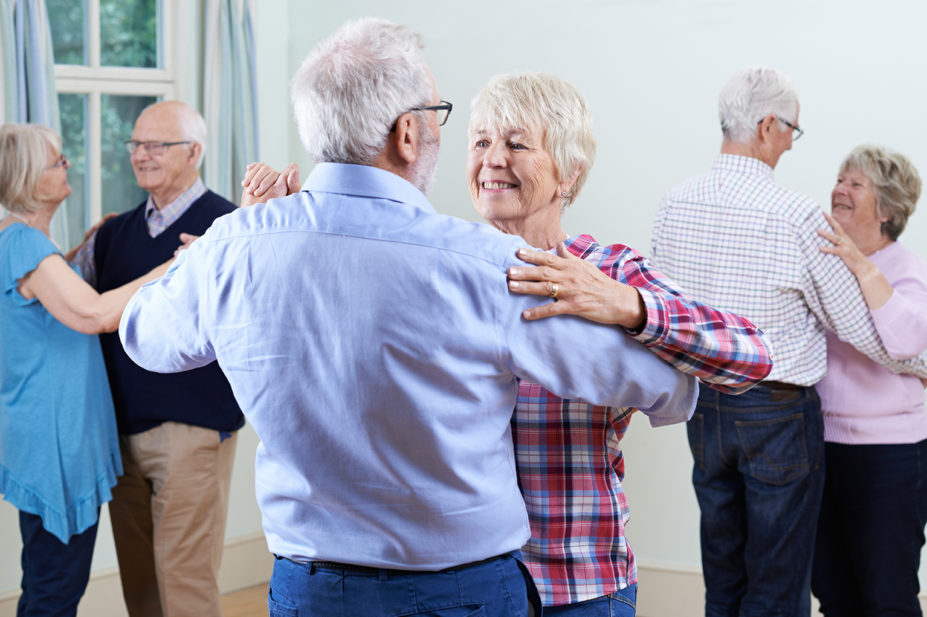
(554, 290)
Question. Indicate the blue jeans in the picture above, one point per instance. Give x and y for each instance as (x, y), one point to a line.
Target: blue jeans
(55, 575)
(497, 588)
(871, 530)
(618, 604)
(758, 477)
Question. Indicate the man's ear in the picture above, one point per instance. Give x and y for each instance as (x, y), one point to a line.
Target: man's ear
(765, 128)
(405, 138)
(196, 148)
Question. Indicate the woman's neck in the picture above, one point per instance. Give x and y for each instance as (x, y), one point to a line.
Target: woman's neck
(39, 220)
(874, 246)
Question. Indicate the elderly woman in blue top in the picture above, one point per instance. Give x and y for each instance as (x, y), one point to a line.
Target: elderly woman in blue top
(59, 454)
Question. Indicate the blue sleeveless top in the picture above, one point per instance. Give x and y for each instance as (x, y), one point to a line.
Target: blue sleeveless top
(59, 450)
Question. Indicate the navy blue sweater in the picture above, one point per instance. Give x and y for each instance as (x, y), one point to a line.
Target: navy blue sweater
(202, 397)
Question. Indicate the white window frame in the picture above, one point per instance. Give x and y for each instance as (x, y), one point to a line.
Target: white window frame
(95, 81)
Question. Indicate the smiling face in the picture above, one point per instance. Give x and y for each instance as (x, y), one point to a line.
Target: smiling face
(853, 203)
(513, 182)
(172, 172)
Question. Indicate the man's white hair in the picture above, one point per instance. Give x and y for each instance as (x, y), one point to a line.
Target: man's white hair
(751, 95)
(191, 122)
(353, 86)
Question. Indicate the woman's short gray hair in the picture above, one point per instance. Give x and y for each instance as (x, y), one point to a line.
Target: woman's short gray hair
(354, 85)
(751, 95)
(24, 150)
(549, 103)
(895, 182)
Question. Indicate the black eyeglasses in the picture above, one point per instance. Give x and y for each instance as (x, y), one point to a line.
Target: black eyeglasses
(154, 148)
(443, 109)
(796, 132)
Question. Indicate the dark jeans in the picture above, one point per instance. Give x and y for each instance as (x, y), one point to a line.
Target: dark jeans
(758, 477)
(871, 530)
(496, 588)
(619, 604)
(55, 575)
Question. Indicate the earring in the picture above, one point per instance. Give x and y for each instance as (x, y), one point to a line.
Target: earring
(563, 193)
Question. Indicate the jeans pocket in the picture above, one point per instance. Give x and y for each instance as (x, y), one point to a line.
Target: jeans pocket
(277, 607)
(775, 448)
(695, 429)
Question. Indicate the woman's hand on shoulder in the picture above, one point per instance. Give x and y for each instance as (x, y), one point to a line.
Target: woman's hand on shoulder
(843, 246)
(577, 288)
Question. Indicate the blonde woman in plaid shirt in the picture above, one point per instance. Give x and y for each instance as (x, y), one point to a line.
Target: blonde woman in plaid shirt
(531, 148)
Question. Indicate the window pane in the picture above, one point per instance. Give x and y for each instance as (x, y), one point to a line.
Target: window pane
(69, 30)
(73, 108)
(120, 192)
(129, 33)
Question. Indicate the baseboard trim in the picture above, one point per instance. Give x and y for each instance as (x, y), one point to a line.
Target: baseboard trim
(245, 563)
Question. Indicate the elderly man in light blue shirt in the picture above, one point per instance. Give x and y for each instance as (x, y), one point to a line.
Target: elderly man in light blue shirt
(375, 348)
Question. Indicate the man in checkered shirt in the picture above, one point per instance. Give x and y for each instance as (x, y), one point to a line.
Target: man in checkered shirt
(737, 240)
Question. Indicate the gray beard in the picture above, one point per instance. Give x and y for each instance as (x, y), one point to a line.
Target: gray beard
(425, 171)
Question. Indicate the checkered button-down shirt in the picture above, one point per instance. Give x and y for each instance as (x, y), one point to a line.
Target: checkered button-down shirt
(568, 452)
(739, 241)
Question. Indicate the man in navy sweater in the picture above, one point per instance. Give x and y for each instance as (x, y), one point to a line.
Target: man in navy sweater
(177, 431)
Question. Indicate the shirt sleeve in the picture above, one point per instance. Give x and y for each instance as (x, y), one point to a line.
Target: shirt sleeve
(27, 248)
(724, 350)
(833, 294)
(578, 359)
(902, 321)
(164, 326)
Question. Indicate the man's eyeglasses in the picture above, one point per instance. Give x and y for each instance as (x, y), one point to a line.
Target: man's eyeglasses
(154, 148)
(61, 162)
(443, 109)
(796, 132)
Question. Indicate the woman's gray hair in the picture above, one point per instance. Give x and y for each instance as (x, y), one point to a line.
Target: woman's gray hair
(751, 95)
(555, 106)
(24, 150)
(895, 182)
(353, 86)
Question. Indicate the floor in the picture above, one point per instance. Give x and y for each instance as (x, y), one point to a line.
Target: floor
(250, 602)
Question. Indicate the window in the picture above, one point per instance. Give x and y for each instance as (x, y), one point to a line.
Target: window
(110, 62)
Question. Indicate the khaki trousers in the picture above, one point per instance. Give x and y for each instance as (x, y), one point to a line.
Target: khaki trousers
(168, 514)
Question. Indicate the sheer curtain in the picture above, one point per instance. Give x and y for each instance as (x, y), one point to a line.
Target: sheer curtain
(28, 76)
(229, 95)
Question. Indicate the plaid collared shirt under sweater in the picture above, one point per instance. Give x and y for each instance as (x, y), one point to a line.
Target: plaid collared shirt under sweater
(156, 220)
(568, 453)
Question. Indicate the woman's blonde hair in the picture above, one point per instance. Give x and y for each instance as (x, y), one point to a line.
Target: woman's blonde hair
(24, 152)
(552, 104)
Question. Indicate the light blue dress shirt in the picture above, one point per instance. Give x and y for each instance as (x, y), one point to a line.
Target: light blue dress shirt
(374, 346)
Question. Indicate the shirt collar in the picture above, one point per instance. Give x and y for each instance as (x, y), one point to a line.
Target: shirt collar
(182, 202)
(742, 164)
(365, 181)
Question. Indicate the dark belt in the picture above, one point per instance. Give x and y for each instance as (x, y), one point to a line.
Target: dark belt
(350, 567)
(779, 390)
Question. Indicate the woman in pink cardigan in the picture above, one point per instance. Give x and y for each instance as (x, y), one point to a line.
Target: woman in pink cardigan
(871, 526)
